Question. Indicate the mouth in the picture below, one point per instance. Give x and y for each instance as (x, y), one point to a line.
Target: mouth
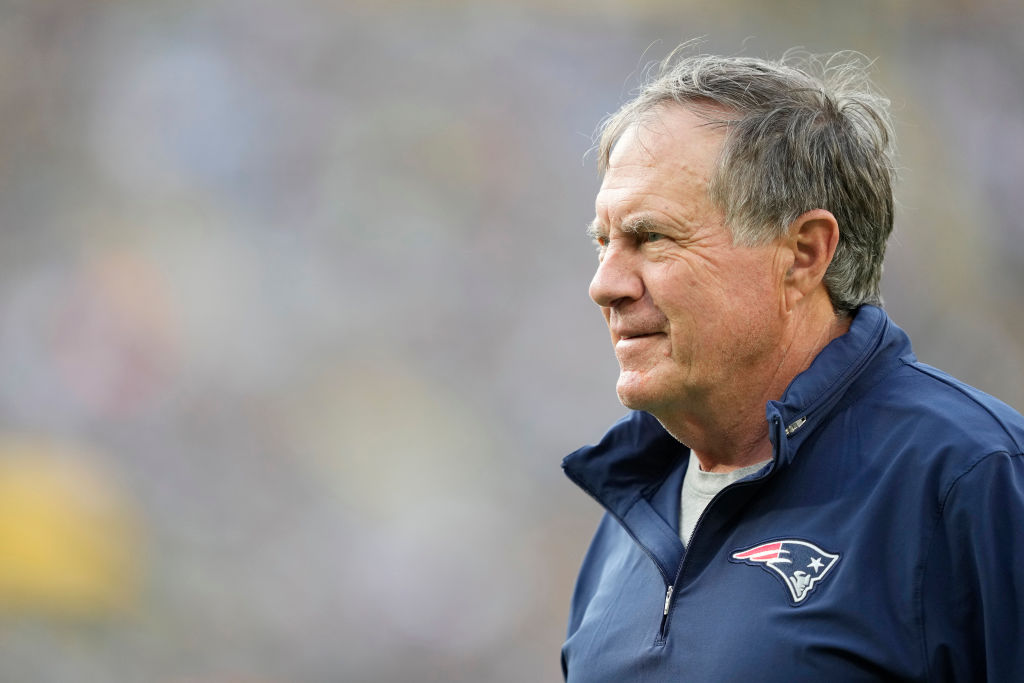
(637, 332)
(638, 336)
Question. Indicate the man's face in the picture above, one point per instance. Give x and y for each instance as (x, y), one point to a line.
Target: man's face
(690, 314)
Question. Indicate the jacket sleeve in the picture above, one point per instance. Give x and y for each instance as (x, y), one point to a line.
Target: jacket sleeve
(973, 578)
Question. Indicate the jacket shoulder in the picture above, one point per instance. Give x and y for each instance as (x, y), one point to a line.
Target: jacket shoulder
(920, 424)
(958, 411)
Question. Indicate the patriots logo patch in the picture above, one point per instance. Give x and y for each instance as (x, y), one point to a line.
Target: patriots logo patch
(801, 565)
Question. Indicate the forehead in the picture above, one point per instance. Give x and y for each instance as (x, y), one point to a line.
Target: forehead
(669, 155)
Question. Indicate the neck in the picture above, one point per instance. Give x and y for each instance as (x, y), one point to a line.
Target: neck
(727, 429)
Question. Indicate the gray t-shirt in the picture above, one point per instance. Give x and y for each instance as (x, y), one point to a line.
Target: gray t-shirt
(699, 487)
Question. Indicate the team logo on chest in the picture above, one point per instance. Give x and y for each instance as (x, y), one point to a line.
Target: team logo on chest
(801, 565)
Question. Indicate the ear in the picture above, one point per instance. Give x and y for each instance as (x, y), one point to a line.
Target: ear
(813, 237)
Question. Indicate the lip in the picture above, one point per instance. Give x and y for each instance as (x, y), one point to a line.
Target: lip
(638, 336)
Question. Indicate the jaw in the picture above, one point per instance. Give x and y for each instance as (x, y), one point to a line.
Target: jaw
(647, 389)
(664, 385)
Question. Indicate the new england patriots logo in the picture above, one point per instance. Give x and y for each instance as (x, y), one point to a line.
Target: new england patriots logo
(800, 565)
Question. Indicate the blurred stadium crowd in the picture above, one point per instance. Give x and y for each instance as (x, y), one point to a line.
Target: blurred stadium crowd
(293, 318)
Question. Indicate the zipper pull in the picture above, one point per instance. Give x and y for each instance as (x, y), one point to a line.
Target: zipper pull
(660, 640)
(797, 424)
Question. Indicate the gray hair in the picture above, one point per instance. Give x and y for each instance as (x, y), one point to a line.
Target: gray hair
(802, 133)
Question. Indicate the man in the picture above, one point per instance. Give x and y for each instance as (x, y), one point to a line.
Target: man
(795, 496)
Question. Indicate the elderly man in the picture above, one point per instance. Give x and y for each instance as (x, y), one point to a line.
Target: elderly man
(794, 496)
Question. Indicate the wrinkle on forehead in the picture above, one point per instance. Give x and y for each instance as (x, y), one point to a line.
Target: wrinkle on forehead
(663, 163)
(669, 137)
(708, 119)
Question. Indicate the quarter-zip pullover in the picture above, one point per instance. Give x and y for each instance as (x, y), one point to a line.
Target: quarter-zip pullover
(883, 541)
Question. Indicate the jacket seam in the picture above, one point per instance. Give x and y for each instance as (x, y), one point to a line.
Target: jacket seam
(594, 495)
(851, 370)
(642, 492)
(940, 512)
(621, 521)
(852, 397)
(960, 389)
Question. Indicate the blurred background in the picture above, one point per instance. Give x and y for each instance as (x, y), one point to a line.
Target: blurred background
(293, 316)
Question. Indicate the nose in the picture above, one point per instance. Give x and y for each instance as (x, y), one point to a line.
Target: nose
(617, 278)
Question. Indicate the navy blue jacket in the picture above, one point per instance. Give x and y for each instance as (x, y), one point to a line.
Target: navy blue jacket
(884, 541)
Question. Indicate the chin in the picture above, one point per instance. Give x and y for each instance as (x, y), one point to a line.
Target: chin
(637, 395)
(662, 394)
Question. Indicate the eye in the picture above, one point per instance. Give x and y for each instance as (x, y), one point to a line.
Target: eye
(598, 235)
(651, 236)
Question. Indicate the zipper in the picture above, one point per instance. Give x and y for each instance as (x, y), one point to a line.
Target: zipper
(797, 424)
(664, 616)
(663, 631)
(660, 639)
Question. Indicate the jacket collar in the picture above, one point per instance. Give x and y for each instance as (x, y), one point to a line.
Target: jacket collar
(636, 473)
(631, 460)
(636, 455)
(870, 349)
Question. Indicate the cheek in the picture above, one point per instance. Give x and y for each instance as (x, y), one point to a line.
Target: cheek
(737, 306)
(756, 311)
(754, 281)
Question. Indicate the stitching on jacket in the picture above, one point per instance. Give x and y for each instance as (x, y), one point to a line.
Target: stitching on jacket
(919, 588)
(956, 386)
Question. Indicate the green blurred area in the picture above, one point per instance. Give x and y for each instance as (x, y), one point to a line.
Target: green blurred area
(294, 323)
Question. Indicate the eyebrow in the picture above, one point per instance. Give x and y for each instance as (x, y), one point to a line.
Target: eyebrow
(640, 225)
